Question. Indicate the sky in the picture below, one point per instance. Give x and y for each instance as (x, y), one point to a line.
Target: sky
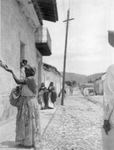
(88, 50)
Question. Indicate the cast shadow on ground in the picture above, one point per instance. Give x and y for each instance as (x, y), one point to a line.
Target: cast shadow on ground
(10, 144)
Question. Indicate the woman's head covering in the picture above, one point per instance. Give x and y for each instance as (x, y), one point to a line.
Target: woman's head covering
(109, 85)
(51, 83)
(31, 84)
(42, 84)
(30, 70)
(24, 61)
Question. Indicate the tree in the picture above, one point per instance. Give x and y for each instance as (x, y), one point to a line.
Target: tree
(74, 83)
(90, 81)
(68, 83)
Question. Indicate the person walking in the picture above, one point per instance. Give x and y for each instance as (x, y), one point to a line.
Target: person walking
(43, 96)
(27, 121)
(108, 103)
(60, 93)
(51, 98)
(46, 98)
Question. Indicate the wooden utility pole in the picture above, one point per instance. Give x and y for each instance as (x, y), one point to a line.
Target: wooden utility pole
(65, 52)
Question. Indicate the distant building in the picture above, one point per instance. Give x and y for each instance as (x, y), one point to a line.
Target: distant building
(87, 88)
(99, 85)
(51, 74)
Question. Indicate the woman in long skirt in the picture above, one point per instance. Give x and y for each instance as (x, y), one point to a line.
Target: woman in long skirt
(108, 126)
(27, 122)
(51, 95)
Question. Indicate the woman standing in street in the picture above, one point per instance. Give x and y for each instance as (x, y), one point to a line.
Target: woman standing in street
(108, 126)
(51, 95)
(43, 96)
(27, 122)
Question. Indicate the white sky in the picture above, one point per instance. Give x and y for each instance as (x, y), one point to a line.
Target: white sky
(88, 50)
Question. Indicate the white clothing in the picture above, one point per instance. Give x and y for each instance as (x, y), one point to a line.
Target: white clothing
(108, 140)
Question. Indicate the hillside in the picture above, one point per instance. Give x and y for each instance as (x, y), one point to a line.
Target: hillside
(75, 77)
(81, 78)
(94, 76)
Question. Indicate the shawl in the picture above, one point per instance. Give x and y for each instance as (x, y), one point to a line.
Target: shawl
(31, 84)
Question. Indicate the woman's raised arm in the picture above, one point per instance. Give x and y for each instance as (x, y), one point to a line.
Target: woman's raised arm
(18, 81)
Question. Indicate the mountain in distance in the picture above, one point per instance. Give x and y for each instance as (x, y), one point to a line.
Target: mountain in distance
(81, 78)
(95, 76)
(75, 77)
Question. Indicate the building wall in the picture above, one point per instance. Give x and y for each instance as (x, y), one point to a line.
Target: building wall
(15, 29)
(97, 87)
(101, 87)
(102, 83)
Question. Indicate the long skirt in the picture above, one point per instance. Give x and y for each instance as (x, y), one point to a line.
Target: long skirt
(50, 104)
(53, 97)
(108, 140)
(41, 101)
(27, 122)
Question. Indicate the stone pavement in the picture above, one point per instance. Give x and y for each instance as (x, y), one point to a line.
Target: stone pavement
(75, 126)
(98, 100)
(7, 130)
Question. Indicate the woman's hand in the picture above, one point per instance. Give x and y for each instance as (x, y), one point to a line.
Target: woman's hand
(3, 65)
(107, 126)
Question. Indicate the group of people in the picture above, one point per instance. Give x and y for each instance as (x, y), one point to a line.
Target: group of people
(47, 96)
(27, 121)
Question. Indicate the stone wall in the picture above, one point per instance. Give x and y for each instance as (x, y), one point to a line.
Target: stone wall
(15, 29)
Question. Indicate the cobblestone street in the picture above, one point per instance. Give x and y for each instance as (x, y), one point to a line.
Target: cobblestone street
(76, 125)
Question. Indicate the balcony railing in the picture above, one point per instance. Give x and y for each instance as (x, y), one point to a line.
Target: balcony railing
(43, 41)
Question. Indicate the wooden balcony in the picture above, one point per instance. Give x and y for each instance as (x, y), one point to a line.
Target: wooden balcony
(46, 10)
(43, 41)
(111, 38)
